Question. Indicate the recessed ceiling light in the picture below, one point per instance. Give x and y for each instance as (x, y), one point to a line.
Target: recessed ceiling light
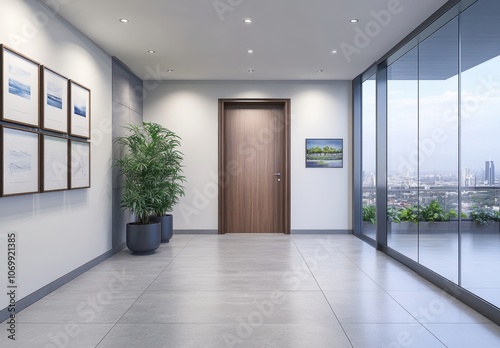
(354, 20)
(247, 20)
(250, 51)
(250, 71)
(335, 51)
(152, 51)
(124, 20)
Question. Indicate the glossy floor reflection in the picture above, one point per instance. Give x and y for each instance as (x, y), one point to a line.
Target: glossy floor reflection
(480, 258)
(252, 291)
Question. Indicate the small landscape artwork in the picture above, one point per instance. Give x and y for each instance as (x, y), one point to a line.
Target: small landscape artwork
(324, 153)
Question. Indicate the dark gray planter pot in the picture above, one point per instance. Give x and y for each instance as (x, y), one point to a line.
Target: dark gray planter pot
(167, 226)
(425, 227)
(402, 228)
(475, 228)
(143, 239)
(368, 228)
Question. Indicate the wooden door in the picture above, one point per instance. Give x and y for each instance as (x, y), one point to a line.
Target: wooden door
(254, 169)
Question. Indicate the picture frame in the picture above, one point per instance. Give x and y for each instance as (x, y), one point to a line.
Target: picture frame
(54, 101)
(79, 110)
(80, 164)
(20, 89)
(55, 163)
(20, 151)
(324, 153)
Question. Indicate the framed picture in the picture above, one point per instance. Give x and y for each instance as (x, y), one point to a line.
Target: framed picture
(20, 102)
(55, 167)
(79, 110)
(80, 164)
(20, 162)
(324, 153)
(54, 101)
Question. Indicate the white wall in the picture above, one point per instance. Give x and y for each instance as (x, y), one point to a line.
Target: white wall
(321, 198)
(58, 232)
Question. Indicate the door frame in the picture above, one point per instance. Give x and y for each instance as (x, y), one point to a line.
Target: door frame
(285, 175)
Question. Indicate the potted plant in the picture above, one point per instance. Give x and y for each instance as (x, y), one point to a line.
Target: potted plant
(369, 218)
(402, 220)
(482, 220)
(143, 186)
(433, 218)
(169, 166)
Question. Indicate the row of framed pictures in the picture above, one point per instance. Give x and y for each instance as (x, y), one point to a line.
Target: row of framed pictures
(33, 95)
(32, 162)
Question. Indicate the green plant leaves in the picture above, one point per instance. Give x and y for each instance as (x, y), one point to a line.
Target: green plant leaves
(433, 212)
(369, 214)
(484, 216)
(152, 167)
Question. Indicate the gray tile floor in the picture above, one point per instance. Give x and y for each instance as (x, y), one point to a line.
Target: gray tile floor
(252, 291)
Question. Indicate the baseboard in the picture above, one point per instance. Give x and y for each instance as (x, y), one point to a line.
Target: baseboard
(322, 232)
(292, 232)
(56, 284)
(196, 232)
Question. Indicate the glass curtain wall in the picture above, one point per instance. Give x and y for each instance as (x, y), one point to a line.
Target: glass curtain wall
(402, 154)
(443, 191)
(369, 157)
(480, 149)
(438, 151)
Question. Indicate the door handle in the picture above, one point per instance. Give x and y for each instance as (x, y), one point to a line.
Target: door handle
(278, 175)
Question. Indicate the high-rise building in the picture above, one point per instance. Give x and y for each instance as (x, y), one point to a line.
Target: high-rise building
(469, 178)
(489, 173)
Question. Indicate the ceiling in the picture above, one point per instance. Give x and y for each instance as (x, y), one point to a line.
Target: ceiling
(208, 39)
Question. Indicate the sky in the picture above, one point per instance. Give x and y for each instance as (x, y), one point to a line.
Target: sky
(429, 111)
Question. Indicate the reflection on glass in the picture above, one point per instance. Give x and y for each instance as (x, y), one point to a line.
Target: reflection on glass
(443, 151)
(480, 192)
(402, 154)
(438, 151)
(369, 156)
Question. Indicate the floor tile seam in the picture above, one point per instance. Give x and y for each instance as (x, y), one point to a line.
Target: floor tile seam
(138, 297)
(238, 291)
(19, 324)
(83, 292)
(105, 335)
(418, 321)
(453, 301)
(66, 322)
(385, 291)
(326, 299)
(464, 324)
(223, 324)
(232, 323)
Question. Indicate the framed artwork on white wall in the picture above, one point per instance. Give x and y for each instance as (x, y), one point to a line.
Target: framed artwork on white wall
(20, 90)
(80, 164)
(54, 101)
(55, 168)
(324, 153)
(79, 110)
(20, 161)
